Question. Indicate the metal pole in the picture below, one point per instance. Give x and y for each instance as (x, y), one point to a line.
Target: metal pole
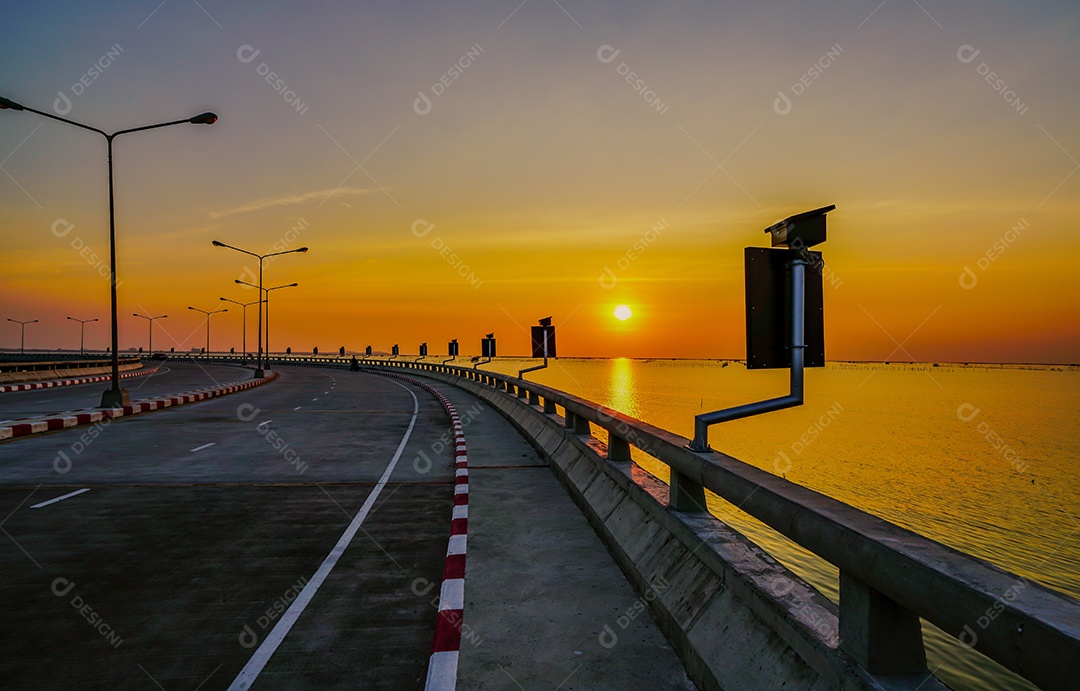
(114, 396)
(150, 344)
(259, 365)
(267, 293)
(22, 339)
(795, 397)
(82, 338)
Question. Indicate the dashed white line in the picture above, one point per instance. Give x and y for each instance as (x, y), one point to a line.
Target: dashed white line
(314, 399)
(66, 496)
(298, 407)
(204, 446)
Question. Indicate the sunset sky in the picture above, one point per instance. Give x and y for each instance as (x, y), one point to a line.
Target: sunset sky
(534, 143)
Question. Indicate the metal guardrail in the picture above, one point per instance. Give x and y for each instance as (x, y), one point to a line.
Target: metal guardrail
(890, 577)
(38, 366)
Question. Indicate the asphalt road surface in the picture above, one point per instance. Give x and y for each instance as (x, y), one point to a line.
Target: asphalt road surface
(276, 533)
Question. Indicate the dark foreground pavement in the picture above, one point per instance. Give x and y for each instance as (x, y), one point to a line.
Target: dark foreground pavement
(203, 524)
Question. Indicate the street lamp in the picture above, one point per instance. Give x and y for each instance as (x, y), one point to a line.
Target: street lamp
(82, 332)
(261, 258)
(196, 309)
(22, 338)
(114, 396)
(266, 299)
(150, 345)
(245, 306)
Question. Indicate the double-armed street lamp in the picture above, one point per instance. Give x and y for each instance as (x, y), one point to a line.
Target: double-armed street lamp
(22, 338)
(150, 345)
(245, 306)
(82, 332)
(196, 309)
(114, 396)
(266, 301)
(262, 258)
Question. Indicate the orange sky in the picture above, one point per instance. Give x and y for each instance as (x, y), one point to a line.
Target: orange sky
(540, 166)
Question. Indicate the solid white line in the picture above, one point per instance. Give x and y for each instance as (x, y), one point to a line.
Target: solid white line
(66, 496)
(204, 446)
(254, 666)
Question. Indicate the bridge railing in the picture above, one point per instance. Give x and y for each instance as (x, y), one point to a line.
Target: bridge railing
(46, 365)
(889, 576)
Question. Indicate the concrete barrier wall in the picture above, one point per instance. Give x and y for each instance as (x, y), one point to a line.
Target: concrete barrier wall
(737, 618)
(62, 373)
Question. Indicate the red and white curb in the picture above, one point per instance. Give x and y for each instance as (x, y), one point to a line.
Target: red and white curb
(86, 417)
(30, 386)
(443, 664)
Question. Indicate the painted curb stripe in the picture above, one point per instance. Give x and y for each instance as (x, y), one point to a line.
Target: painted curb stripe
(77, 418)
(445, 649)
(53, 383)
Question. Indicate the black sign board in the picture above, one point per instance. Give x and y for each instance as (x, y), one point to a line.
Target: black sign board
(487, 347)
(768, 308)
(540, 334)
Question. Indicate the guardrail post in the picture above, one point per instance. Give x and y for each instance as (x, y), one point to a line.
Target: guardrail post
(686, 493)
(521, 392)
(534, 398)
(549, 406)
(568, 419)
(882, 636)
(618, 449)
(581, 425)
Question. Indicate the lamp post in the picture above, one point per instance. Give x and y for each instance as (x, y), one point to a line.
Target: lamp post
(114, 396)
(82, 333)
(244, 336)
(261, 258)
(266, 300)
(196, 309)
(150, 345)
(22, 337)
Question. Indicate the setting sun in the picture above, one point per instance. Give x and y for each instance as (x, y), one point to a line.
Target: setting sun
(622, 313)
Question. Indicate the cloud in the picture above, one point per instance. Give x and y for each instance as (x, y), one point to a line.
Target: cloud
(289, 199)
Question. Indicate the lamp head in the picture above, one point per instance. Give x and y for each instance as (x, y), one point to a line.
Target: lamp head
(8, 104)
(302, 249)
(207, 118)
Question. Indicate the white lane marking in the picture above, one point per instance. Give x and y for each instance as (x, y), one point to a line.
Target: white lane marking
(254, 666)
(298, 407)
(204, 446)
(314, 399)
(66, 496)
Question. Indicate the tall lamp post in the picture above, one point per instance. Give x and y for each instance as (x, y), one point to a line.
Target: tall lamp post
(114, 396)
(261, 257)
(196, 309)
(150, 345)
(266, 300)
(82, 333)
(244, 336)
(22, 337)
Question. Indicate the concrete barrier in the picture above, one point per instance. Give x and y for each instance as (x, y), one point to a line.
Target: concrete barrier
(738, 618)
(14, 372)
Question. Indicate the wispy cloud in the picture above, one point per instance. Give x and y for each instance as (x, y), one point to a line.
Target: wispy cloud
(289, 199)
